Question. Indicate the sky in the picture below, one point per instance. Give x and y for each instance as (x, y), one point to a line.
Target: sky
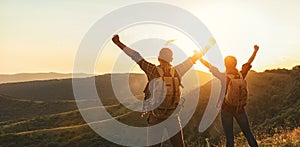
(44, 36)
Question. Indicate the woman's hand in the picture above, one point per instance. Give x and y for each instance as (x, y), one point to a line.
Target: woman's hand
(256, 47)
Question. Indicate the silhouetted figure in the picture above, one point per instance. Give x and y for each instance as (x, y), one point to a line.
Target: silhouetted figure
(171, 76)
(235, 97)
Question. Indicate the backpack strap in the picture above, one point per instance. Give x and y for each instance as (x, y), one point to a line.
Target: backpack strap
(230, 76)
(172, 72)
(160, 71)
(234, 76)
(241, 76)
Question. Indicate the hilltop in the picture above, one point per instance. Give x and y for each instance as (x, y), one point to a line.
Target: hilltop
(25, 77)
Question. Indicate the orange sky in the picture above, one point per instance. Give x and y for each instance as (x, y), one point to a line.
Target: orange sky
(41, 36)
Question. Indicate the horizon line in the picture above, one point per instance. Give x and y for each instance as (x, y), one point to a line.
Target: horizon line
(103, 73)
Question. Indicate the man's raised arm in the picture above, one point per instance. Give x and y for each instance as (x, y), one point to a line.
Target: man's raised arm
(116, 40)
(256, 47)
(183, 67)
(147, 67)
(130, 52)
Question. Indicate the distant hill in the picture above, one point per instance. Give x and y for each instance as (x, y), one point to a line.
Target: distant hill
(273, 109)
(25, 77)
(61, 89)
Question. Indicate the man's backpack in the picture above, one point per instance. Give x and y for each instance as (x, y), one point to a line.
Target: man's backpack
(165, 93)
(237, 91)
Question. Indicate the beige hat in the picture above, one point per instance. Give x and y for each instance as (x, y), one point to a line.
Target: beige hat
(166, 54)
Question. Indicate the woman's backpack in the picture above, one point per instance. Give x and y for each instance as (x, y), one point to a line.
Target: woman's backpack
(237, 91)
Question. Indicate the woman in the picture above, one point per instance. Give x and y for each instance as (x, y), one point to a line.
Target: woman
(228, 110)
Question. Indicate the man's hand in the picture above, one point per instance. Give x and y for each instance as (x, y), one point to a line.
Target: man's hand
(256, 47)
(116, 38)
(117, 41)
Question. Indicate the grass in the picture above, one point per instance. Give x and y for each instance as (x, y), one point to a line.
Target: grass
(273, 110)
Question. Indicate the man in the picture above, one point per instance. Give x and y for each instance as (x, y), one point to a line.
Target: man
(163, 70)
(234, 106)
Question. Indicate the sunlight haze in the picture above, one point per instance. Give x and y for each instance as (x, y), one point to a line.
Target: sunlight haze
(43, 36)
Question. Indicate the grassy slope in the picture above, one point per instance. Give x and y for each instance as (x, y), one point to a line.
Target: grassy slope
(13, 108)
(273, 105)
